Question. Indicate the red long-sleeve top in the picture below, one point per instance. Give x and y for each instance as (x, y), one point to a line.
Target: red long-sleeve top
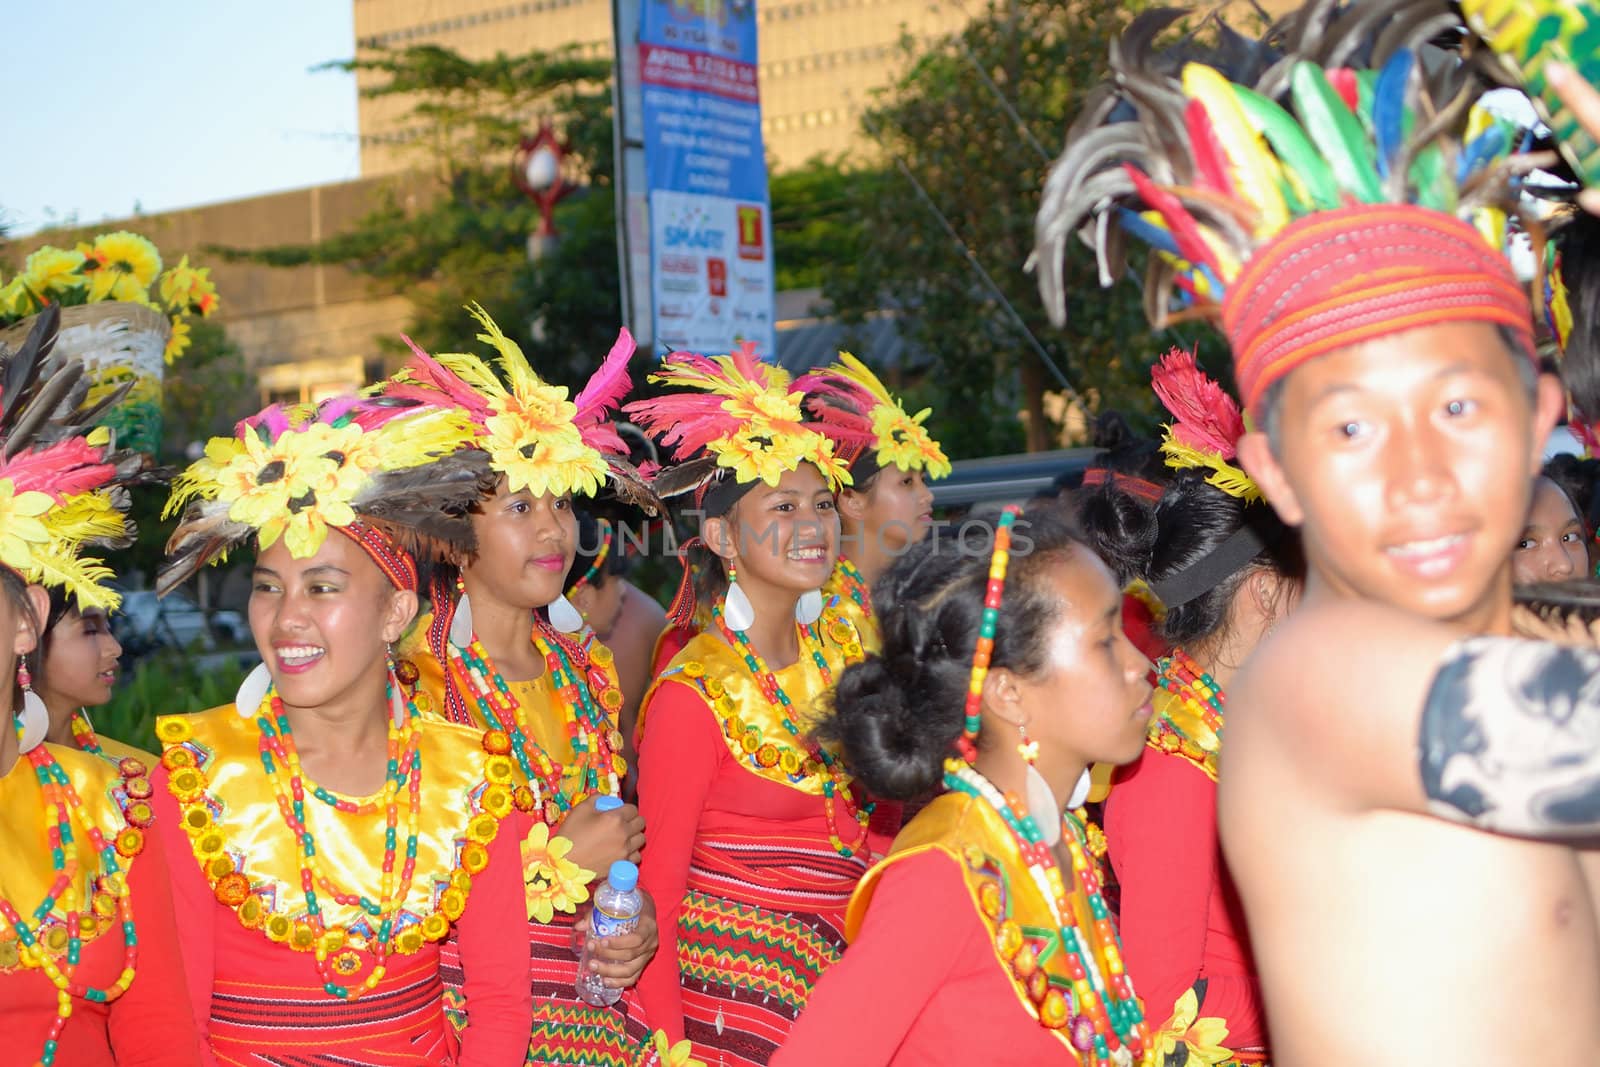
(148, 1026)
(402, 1021)
(919, 986)
(1181, 920)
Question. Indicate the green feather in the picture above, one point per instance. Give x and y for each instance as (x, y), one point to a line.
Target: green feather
(1294, 150)
(1337, 133)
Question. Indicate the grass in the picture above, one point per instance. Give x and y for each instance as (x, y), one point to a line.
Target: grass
(167, 683)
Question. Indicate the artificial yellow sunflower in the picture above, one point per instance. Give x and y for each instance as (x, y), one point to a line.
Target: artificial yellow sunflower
(1200, 1039)
(188, 289)
(120, 266)
(22, 529)
(903, 442)
(177, 340)
(53, 270)
(16, 299)
(551, 882)
(761, 451)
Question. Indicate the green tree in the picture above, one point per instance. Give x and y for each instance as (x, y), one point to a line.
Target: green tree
(974, 122)
(455, 229)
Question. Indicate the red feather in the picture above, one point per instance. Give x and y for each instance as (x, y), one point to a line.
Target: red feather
(1207, 418)
(1185, 230)
(1210, 157)
(1343, 80)
(431, 373)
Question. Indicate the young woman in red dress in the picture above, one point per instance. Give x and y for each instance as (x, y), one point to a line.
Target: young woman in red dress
(90, 973)
(984, 936)
(757, 835)
(325, 835)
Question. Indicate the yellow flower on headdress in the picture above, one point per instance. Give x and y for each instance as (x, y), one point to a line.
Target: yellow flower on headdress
(551, 882)
(531, 433)
(53, 270)
(121, 266)
(187, 289)
(1199, 1039)
(22, 530)
(858, 396)
(15, 297)
(904, 443)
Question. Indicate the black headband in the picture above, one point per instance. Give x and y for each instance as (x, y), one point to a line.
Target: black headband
(1233, 555)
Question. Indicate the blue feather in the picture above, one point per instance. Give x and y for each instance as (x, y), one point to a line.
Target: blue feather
(1150, 234)
(1488, 145)
(1389, 117)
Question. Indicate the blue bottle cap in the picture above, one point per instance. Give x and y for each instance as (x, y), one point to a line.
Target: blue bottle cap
(607, 803)
(623, 876)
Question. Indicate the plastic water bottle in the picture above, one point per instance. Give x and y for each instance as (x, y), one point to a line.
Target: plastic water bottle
(617, 904)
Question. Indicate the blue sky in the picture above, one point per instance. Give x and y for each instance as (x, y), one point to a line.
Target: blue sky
(169, 104)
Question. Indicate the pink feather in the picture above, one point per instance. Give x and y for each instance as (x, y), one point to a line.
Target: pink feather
(61, 470)
(610, 383)
(1207, 418)
(840, 409)
(433, 374)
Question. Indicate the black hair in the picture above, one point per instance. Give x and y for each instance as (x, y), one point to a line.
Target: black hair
(899, 713)
(1193, 519)
(1121, 450)
(1579, 243)
(61, 604)
(591, 539)
(1576, 478)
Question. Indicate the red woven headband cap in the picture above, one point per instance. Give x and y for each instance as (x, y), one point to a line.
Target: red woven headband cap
(1338, 278)
(393, 560)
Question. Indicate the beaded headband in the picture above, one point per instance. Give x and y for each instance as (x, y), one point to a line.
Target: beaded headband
(998, 562)
(607, 536)
(392, 559)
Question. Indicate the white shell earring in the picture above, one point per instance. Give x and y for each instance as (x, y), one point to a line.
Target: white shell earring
(563, 616)
(252, 691)
(737, 611)
(34, 715)
(808, 609)
(461, 623)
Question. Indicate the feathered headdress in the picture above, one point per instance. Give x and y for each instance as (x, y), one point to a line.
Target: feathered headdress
(855, 409)
(736, 414)
(1206, 424)
(1316, 202)
(62, 487)
(534, 436)
(397, 465)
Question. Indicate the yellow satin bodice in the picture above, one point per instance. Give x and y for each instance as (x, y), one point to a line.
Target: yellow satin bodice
(1021, 924)
(1176, 730)
(252, 859)
(752, 727)
(542, 711)
(836, 596)
(115, 803)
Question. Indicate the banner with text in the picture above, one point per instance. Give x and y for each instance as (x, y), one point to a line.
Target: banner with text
(706, 169)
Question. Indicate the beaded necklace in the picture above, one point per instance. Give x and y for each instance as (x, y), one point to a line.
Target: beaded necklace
(1204, 699)
(835, 781)
(595, 741)
(855, 586)
(59, 796)
(1105, 1019)
(403, 769)
(83, 733)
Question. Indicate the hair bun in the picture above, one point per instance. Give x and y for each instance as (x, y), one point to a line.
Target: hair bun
(884, 745)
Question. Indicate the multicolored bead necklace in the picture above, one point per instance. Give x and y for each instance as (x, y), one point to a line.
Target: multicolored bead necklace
(58, 795)
(403, 769)
(835, 781)
(855, 585)
(1104, 1021)
(83, 733)
(1204, 701)
(595, 741)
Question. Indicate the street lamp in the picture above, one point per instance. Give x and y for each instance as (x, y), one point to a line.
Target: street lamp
(536, 168)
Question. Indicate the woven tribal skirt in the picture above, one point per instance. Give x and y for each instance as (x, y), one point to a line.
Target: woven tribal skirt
(566, 1031)
(761, 921)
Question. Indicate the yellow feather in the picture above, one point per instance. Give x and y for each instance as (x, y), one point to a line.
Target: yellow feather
(411, 441)
(851, 367)
(512, 361)
(474, 371)
(84, 577)
(1255, 171)
(85, 517)
(1225, 476)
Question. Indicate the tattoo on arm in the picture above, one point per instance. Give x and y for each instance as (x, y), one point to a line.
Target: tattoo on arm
(1510, 737)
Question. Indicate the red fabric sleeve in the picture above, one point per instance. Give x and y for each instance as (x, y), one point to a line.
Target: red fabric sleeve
(1161, 832)
(191, 898)
(148, 1024)
(895, 965)
(499, 997)
(679, 757)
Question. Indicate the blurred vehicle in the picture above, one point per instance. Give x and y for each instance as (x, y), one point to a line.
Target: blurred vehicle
(145, 623)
